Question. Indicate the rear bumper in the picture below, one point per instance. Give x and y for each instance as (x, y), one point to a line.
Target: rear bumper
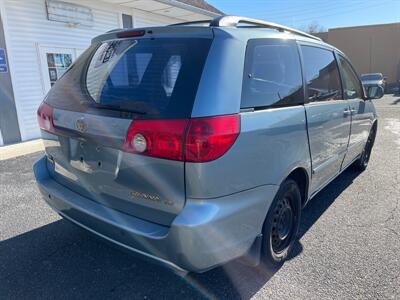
(205, 234)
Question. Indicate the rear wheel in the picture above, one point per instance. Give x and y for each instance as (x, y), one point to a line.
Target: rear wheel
(362, 163)
(281, 225)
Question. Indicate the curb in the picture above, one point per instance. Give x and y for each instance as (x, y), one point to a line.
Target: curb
(20, 149)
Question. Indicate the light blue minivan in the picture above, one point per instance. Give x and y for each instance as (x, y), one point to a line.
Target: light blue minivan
(197, 143)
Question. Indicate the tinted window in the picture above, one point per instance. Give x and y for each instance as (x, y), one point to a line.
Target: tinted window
(156, 76)
(351, 84)
(322, 75)
(272, 75)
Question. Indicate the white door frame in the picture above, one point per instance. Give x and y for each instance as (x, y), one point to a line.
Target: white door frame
(44, 71)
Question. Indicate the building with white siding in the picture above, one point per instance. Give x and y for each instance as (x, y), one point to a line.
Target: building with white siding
(39, 39)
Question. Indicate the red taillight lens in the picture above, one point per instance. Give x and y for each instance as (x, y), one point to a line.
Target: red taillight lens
(157, 138)
(209, 138)
(194, 140)
(45, 117)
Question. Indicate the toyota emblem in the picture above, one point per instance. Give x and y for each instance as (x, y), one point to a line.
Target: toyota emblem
(81, 125)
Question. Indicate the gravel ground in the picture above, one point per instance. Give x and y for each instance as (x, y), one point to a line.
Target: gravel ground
(349, 244)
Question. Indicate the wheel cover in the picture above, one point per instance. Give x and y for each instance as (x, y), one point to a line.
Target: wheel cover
(284, 220)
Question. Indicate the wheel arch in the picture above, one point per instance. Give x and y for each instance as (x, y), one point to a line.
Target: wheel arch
(375, 125)
(300, 175)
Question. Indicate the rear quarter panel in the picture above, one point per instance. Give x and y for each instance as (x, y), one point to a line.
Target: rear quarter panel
(271, 144)
(220, 86)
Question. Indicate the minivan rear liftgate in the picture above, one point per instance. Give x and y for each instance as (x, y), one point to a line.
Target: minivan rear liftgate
(118, 134)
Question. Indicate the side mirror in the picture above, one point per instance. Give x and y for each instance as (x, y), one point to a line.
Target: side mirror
(375, 92)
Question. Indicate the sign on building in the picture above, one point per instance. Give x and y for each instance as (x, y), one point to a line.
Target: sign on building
(69, 13)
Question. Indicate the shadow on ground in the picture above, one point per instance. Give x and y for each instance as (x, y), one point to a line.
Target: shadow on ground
(60, 260)
(397, 101)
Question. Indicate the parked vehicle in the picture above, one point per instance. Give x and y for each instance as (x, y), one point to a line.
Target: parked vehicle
(373, 79)
(194, 145)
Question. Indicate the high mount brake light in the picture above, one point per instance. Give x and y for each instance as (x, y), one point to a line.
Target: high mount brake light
(193, 140)
(45, 117)
(127, 34)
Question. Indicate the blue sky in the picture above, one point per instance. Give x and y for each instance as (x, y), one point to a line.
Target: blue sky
(329, 14)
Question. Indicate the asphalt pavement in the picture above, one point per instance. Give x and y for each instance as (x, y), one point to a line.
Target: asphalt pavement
(348, 247)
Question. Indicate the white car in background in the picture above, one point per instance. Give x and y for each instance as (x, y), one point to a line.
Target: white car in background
(370, 79)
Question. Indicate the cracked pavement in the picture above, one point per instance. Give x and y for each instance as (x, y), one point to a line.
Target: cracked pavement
(349, 243)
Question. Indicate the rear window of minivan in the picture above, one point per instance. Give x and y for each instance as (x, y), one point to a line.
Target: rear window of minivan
(156, 77)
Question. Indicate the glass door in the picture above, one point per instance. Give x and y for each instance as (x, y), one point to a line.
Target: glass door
(54, 63)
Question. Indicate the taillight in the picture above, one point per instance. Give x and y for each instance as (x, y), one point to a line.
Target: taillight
(209, 138)
(45, 117)
(193, 140)
(157, 138)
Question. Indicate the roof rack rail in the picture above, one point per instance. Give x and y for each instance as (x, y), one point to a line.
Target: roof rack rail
(193, 23)
(233, 21)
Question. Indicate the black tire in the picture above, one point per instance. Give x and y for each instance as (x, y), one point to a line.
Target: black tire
(362, 163)
(281, 225)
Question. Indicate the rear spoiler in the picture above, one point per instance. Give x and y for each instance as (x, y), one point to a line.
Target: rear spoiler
(163, 31)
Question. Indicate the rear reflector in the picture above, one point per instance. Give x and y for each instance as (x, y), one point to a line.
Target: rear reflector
(126, 34)
(45, 117)
(193, 140)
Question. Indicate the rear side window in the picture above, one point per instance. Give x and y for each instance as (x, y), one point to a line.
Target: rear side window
(157, 77)
(272, 75)
(322, 74)
(351, 83)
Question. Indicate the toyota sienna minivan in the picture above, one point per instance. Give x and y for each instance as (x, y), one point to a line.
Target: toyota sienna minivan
(197, 143)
